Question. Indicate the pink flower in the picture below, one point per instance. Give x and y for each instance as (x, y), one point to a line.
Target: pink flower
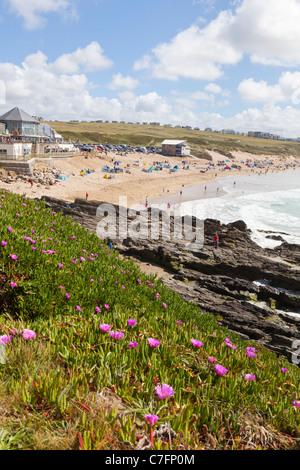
(139, 281)
(164, 391)
(60, 265)
(179, 322)
(283, 369)
(98, 309)
(250, 352)
(106, 306)
(132, 344)
(104, 327)
(116, 334)
(67, 295)
(163, 304)
(28, 334)
(9, 229)
(13, 284)
(4, 243)
(78, 308)
(250, 377)
(153, 342)
(229, 343)
(221, 370)
(211, 359)
(296, 404)
(151, 419)
(196, 343)
(131, 322)
(14, 256)
(61, 287)
(5, 339)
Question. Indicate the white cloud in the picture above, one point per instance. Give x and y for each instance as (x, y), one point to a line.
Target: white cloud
(33, 11)
(123, 83)
(213, 88)
(193, 53)
(90, 59)
(267, 31)
(287, 89)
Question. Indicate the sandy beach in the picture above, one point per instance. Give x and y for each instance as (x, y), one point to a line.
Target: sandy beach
(140, 186)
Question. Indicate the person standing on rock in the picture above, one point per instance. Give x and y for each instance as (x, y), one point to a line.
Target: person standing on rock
(216, 240)
(31, 183)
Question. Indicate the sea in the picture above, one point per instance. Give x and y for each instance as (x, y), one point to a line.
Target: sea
(269, 204)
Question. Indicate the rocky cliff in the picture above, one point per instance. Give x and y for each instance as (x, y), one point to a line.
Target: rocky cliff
(255, 292)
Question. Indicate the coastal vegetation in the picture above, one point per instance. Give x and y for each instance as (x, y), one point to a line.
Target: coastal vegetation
(153, 135)
(97, 355)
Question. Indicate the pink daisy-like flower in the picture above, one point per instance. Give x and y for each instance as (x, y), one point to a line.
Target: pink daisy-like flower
(67, 295)
(196, 343)
(106, 306)
(116, 334)
(250, 352)
(28, 334)
(164, 391)
(78, 308)
(60, 265)
(5, 339)
(13, 284)
(131, 322)
(221, 370)
(14, 256)
(211, 359)
(296, 403)
(153, 342)
(152, 419)
(283, 369)
(250, 377)
(163, 304)
(132, 344)
(98, 309)
(104, 327)
(3, 243)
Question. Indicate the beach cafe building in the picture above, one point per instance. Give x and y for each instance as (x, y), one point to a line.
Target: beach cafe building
(21, 136)
(177, 148)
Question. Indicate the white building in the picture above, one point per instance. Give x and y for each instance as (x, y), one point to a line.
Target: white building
(178, 148)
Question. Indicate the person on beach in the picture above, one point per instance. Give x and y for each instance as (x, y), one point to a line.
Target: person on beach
(86, 196)
(216, 240)
(31, 183)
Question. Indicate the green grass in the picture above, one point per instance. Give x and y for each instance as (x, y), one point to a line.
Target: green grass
(149, 135)
(73, 386)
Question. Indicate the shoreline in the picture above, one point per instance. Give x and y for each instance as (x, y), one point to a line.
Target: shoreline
(139, 186)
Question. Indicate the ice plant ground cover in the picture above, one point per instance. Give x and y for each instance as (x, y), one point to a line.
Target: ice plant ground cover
(93, 347)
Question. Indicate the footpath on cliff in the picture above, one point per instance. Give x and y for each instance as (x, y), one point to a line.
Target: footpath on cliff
(255, 292)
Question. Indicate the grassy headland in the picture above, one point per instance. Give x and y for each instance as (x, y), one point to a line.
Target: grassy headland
(77, 385)
(150, 135)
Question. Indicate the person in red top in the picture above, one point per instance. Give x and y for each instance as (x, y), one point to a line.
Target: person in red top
(216, 240)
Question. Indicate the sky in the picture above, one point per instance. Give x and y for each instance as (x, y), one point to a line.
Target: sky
(220, 64)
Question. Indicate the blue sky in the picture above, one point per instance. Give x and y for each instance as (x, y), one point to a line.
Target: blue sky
(224, 64)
